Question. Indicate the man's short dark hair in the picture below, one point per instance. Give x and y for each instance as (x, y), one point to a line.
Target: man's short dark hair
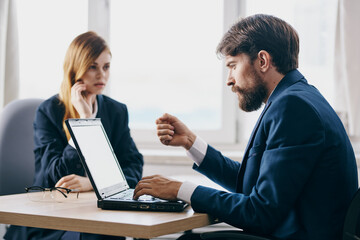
(263, 32)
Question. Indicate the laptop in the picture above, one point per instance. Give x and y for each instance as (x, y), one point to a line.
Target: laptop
(105, 173)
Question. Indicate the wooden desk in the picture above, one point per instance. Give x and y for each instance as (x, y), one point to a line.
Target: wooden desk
(82, 215)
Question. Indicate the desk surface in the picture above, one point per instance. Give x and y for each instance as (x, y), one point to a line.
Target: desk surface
(82, 215)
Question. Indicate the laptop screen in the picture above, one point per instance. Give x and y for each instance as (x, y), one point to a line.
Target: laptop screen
(99, 156)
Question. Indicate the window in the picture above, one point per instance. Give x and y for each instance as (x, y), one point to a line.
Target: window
(315, 23)
(164, 55)
(164, 60)
(46, 29)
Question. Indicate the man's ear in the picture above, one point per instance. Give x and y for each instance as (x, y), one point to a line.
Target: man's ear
(264, 60)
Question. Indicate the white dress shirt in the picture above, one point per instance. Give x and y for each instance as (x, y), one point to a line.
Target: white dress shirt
(196, 153)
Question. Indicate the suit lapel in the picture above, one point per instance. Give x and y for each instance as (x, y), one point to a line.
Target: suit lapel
(249, 145)
(289, 79)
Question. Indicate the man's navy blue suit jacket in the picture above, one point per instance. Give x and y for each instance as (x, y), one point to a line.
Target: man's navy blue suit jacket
(298, 174)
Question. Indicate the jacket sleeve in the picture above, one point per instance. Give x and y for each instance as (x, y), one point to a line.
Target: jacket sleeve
(219, 169)
(295, 139)
(54, 157)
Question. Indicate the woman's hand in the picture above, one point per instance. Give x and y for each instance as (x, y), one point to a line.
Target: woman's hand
(82, 102)
(75, 182)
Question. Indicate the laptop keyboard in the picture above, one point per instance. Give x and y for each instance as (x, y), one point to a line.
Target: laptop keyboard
(128, 195)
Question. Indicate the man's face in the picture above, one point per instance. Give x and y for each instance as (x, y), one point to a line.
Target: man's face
(246, 82)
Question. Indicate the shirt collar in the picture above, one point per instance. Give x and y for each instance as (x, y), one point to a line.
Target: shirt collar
(95, 109)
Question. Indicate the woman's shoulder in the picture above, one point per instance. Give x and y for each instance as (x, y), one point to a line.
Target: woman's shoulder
(52, 106)
(51, 102)
(110, 102)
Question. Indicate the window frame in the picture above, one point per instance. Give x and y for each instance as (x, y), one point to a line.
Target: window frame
(99, 21)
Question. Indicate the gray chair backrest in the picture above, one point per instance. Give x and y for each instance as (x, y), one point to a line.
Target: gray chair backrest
(17, 161)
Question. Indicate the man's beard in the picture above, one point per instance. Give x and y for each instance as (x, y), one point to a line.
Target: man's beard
(251, 99)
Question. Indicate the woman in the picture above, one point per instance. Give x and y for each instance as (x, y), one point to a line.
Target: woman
(86, 73)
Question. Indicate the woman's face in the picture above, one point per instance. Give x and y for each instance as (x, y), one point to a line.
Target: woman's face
(97, 76)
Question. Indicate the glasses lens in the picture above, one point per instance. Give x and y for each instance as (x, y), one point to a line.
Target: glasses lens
(62, 196)
(36, 194)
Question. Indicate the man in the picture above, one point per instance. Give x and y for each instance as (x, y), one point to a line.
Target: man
(298, 174)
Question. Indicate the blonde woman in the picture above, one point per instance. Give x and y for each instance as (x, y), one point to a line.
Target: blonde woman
(86, 73)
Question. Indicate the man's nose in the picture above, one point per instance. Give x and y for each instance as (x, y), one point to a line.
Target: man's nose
(230, 80)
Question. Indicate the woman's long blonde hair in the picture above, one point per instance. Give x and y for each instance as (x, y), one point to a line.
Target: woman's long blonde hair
(81, 54)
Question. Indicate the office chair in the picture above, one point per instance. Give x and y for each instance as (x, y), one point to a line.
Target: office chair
(352, 220)
(17, 161)
(231, 235)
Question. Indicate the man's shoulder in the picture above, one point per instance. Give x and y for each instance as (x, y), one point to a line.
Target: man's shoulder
(290, 99)
(295, 105)
(300, 94)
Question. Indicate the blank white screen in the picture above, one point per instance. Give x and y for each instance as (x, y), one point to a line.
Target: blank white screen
(99, 158)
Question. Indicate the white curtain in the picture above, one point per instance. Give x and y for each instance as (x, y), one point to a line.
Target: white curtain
(9, 52)
(347, 67)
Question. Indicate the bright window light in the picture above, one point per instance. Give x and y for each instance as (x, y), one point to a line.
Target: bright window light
(46, 29)
(164, 60)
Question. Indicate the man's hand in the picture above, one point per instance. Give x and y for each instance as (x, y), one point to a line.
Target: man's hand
(157, 186)
(171, 131)
(75, 182)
